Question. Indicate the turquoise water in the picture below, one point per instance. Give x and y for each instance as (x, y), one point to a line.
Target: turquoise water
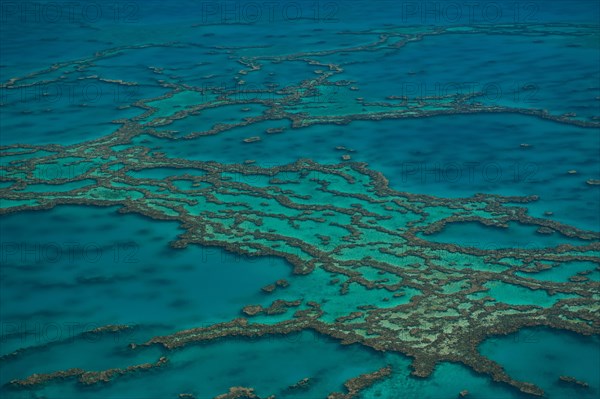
(269, 365)
(73, 268)
(516, 295)
(524, 354)
(565, 271)
(448, 380)
(515, 235)
(531, 346)
(421, 158)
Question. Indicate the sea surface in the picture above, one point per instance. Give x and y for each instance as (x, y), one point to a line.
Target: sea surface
(75, 73)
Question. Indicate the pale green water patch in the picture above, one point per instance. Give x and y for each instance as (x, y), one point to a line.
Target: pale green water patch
(337, 305)
(207, 118)
(46, 188)
(178, 102)
(455, 286)
(64, 168)
(8, 203)
(373, 274)
(4, 159)
(188, 185)
(564, 271)
(161, 173)
(477, 235)
(517, 295)
(102, 193)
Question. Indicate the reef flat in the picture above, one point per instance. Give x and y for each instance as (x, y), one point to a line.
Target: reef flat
(345, 222)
